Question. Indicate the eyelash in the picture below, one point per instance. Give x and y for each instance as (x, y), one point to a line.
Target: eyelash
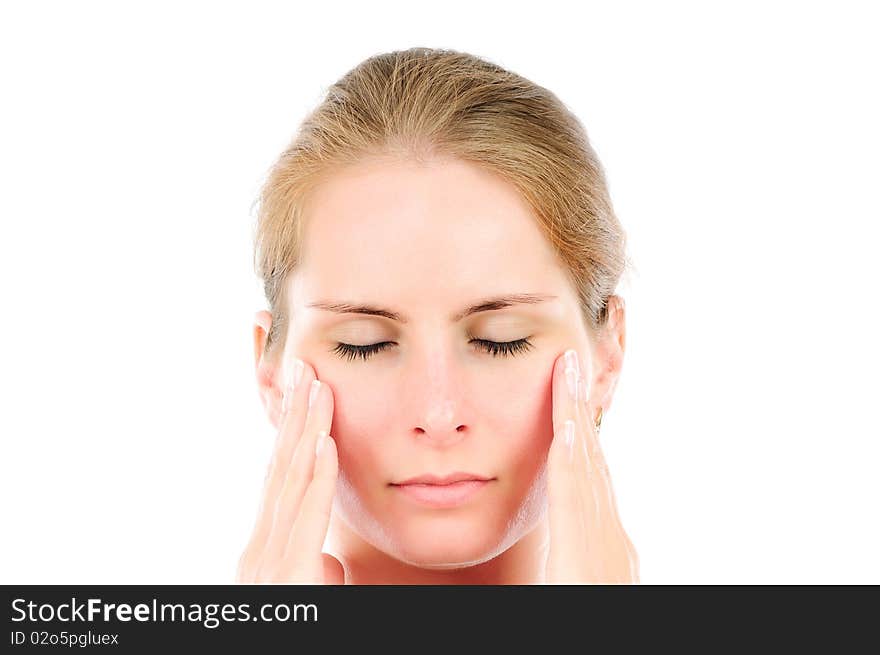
(494, 348)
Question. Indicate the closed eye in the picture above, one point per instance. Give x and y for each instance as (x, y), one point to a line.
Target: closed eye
(494, 348)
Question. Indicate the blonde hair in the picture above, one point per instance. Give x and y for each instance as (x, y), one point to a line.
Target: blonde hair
(422, 103)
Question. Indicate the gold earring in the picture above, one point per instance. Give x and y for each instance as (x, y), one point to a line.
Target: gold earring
(599, 420)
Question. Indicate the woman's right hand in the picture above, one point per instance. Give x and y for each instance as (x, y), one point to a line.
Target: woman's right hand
(298, 493)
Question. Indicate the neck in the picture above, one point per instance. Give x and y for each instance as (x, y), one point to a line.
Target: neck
(521, 564)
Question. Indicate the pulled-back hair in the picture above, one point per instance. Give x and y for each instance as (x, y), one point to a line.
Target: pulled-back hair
(423, 103)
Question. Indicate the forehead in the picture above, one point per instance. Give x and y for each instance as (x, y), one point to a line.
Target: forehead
(388, 225)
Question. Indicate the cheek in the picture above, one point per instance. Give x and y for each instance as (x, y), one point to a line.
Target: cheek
(516, 420)
(360, 417)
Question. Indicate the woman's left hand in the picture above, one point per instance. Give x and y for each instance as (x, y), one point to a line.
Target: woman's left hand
(587, 541)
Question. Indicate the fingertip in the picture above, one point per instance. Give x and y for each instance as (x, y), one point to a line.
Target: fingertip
(325, 449)
(330, 448)
(323, 444)
(559, 367)
(561, 363)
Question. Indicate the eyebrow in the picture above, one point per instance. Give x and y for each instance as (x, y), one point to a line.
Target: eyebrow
(485, 305)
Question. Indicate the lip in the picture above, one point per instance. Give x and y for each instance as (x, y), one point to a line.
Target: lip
(443, 492)
(458, 476)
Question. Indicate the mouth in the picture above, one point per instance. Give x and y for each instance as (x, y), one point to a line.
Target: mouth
(442, 491)
(451, 478)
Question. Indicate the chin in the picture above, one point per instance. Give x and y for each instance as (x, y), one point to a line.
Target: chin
(443, 538)
(438, 544)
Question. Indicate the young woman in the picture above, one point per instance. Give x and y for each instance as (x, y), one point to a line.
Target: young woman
(440, 254)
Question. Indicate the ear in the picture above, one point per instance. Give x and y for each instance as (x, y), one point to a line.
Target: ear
(608, 358)
(269, 376)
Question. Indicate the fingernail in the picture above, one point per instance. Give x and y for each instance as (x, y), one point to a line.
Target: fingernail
(569, 437)
(322, 438)
(292, 382)
(313, 393)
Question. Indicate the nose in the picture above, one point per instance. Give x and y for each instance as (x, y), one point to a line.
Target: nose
(441, 426)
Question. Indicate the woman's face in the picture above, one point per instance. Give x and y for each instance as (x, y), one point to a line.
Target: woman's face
(426, 242)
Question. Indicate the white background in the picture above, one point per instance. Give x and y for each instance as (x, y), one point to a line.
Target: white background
(741, 146)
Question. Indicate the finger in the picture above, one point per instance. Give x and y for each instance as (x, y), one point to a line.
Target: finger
(584, 476)
(571, 373)
(565, 404)
(290, 427)
(310, 527)
(299, 473)
(293, 419)
(566, 408)
(564, 508)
